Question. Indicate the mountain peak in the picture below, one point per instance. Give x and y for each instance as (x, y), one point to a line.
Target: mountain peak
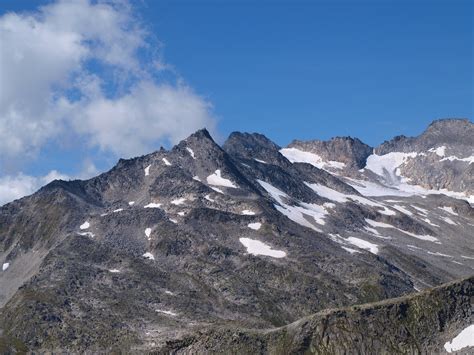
(202, 133)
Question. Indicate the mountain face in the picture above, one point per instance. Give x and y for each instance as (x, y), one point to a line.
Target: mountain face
(179, 249)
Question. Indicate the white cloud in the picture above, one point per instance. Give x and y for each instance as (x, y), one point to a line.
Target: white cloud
(49, 86)
(71, 72)
(14, 187)
(130, 124)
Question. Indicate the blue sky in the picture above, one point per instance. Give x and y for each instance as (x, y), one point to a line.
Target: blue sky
(287, 69)
(316, 69)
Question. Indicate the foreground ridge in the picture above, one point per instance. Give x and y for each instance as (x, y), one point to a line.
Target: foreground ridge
(421, 323)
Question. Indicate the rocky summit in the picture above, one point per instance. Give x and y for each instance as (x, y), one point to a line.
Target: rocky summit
(319, 247)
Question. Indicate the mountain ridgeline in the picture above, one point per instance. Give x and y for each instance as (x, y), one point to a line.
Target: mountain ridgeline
(319, 247)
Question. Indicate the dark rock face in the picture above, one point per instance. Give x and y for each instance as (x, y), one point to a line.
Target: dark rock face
(140, 257)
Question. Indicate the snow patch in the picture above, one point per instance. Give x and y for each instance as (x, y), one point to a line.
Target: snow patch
(255, 226)
(261, 161)
(363, 244)
(449, 210)
(84, 225)
(403, 209)
(147, 170)
(217, 189)
(148, 232)
(248, 212)
(197, 178)
(419, 209)
(191, 152)
(153, 205)
(440, 151)
(449, 220)
(178, 201)
(428, 238)
(256, 247)
(114, 271)
(462, 340)
(149, 255)
(87, 234)
(5, 266)
(181, 213)
(295, 155)
(208, 197)
(469, 160)
(118, 210)
(173, 220)
(340, 197)
(403, 189)
(166, 161)
(131, 203)
(217, 180)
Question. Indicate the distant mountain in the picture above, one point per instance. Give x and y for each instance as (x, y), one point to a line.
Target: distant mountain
(244, 236)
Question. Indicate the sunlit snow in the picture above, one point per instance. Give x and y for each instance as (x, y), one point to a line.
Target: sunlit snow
(255, 226)
(217, 180)
(114, 271)
(131, 203)
(449, 210)
(118, 210)
(464, 339)
(153, 205)
(147, 170)
(85, 225)
(301, 213)
(363, 244)
(376, 224)
(448, 220)
(440, 151)
(166, 161)
(191, 152)
(248, 212)
(469, 160)
(340, 197)
(148, 232)
(295, 155)
(387, 165)
(149, 255)
(208, 197)
(256, 247)
(5, 266)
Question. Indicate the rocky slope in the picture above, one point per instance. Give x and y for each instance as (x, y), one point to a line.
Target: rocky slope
(243, 235)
